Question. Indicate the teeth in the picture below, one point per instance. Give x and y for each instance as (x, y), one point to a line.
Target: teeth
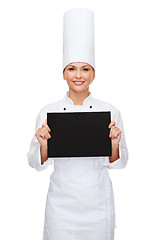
(78, 82)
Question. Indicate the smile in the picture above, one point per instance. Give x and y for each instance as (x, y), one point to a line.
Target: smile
(78, 82)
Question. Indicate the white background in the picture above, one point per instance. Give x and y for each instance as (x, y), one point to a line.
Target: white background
(127, 43)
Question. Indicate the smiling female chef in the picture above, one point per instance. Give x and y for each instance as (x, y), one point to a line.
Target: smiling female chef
(80, 202)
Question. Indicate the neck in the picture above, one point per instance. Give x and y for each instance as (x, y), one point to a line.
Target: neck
(78, 97)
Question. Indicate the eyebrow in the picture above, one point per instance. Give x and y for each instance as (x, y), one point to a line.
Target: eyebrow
(82, 66)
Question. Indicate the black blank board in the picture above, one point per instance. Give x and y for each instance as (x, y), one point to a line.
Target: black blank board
(79, 134)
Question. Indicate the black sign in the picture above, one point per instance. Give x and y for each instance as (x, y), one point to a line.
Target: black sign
(79, 134)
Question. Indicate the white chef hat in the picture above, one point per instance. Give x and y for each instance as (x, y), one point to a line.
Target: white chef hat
(78, 36)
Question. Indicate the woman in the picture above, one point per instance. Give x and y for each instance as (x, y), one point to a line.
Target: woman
(80, 202)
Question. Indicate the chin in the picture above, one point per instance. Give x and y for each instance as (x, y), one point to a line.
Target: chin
(78, 89)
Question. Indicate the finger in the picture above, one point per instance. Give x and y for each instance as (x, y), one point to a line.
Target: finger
(49, 135)
(46, 126)
(46, 135)
(113, 123)
(115, 133)
(113, 128)
(111, 133)
(43, 133)
(45, 123)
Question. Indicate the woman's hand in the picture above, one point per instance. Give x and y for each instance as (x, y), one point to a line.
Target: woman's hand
(43, 135)
(115, 134)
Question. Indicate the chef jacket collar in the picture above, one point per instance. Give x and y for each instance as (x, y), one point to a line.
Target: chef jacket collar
(86, 101)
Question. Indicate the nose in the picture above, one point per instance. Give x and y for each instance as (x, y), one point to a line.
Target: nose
(78, 73)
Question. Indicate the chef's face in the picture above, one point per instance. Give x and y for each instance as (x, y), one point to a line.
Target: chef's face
(79, 75)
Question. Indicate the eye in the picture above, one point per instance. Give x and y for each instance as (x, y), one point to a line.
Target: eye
(85, 69)
(70, 69)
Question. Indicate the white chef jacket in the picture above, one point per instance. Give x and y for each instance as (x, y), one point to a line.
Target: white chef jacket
(80, 201)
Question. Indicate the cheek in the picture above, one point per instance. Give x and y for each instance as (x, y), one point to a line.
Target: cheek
(69, 75)
(88, 76)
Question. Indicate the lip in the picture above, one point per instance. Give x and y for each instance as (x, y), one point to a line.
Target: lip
(79, 83)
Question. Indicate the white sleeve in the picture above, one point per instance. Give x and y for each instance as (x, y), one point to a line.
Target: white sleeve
(33, 155)
(123, 151)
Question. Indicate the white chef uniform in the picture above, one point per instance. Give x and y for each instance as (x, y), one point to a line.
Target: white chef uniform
(80, 202)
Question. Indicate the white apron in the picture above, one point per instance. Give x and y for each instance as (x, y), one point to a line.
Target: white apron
(80, 202)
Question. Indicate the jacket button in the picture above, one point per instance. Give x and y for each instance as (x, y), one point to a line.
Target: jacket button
(64, 108)
(90, 106)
